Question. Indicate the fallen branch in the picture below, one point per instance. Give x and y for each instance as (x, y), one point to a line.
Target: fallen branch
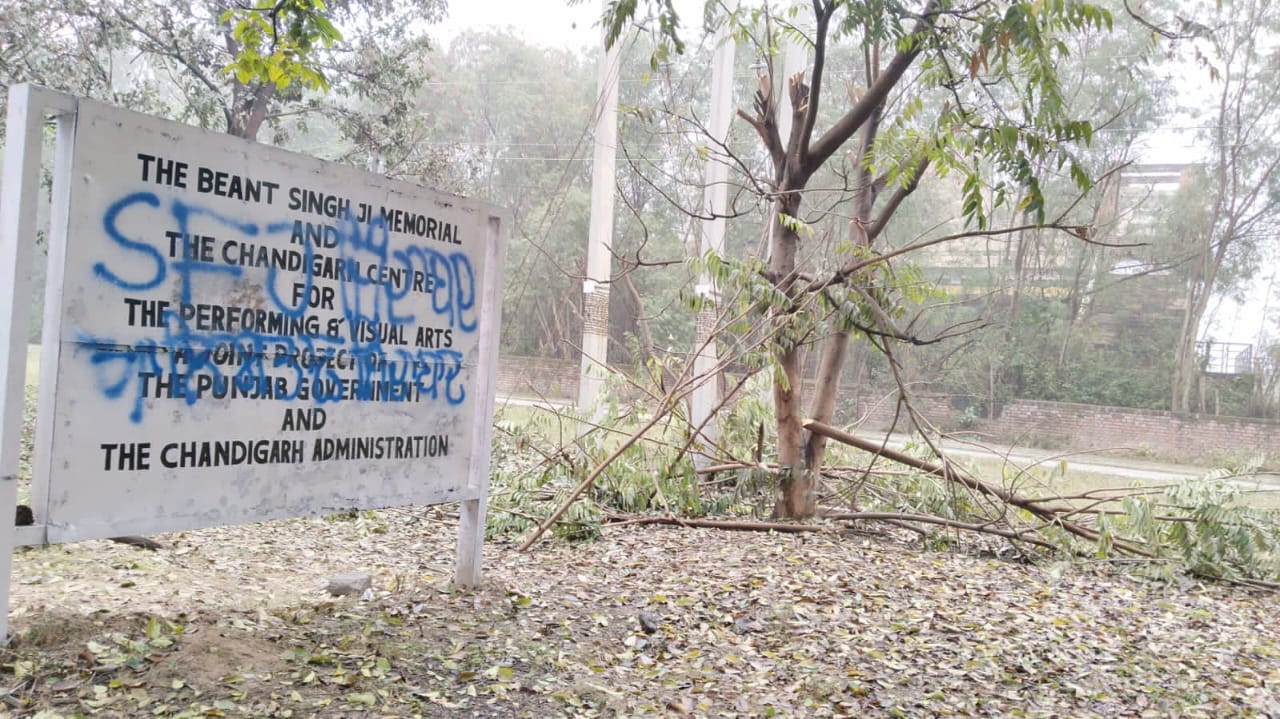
(1250, 583)
(900, 519)
(737, 526)
(770, 467)
(1056, 515)
(590, 480)
(897, 518)
(681, 388)
(717, 468)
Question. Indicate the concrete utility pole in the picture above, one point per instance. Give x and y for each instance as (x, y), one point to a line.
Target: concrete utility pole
(595, 288)
(706, 395)
(795, 58)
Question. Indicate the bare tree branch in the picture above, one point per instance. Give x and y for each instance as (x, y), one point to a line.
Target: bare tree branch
(844, 128)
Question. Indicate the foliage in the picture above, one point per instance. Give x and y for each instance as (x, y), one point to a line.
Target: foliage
(521, 115)
(1119, 357)
(755, 312)
(228, 66)
(933, 89)
(51, 44)
(278, 39)
(524, 479)
(1202, 527)
(966, 54)
(1049, 316)
(744, 427)
(539, 460)
(1264, 399)
(1205, 527)
(517, 113)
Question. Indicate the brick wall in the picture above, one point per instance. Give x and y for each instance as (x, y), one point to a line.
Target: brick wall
(538, 377)
(1168, 435)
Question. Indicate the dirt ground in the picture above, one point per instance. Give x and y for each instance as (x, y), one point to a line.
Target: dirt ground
(235, 622)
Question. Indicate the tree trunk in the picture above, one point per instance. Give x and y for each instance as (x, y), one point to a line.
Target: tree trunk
(825, 391)
(249, 109)
(835, 347)
(1187, 370)
(1184, 355)
(796, 496)
(795, 159)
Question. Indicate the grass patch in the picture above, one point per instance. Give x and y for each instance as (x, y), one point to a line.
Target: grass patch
(1071, 480)
(1052, 478)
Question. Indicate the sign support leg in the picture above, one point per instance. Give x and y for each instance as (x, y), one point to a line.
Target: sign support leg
(471, 513)
(18, 207)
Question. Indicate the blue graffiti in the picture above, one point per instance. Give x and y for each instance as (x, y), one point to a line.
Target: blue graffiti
(109, 220)
(281, 352)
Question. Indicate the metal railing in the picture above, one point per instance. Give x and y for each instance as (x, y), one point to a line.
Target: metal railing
(1225, 357)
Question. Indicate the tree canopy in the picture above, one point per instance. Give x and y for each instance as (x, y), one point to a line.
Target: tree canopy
(942, 87)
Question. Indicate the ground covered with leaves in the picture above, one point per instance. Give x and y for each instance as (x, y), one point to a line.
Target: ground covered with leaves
(644, 621)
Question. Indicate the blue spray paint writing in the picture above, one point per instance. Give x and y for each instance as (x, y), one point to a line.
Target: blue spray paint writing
(281, 352)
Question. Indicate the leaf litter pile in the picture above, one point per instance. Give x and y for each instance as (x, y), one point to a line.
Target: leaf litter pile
(644, 621)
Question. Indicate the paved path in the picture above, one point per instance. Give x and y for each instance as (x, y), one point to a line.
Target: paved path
(1091, 462)
(1095, 462)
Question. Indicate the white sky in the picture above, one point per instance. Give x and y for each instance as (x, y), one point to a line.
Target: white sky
(555, 23)
(545, 22)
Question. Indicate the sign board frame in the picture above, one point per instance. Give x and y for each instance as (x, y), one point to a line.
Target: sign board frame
(210, 448)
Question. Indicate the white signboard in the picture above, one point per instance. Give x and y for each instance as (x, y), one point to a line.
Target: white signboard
(237, 333)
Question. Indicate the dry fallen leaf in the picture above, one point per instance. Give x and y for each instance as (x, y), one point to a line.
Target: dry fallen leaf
(758, 625)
